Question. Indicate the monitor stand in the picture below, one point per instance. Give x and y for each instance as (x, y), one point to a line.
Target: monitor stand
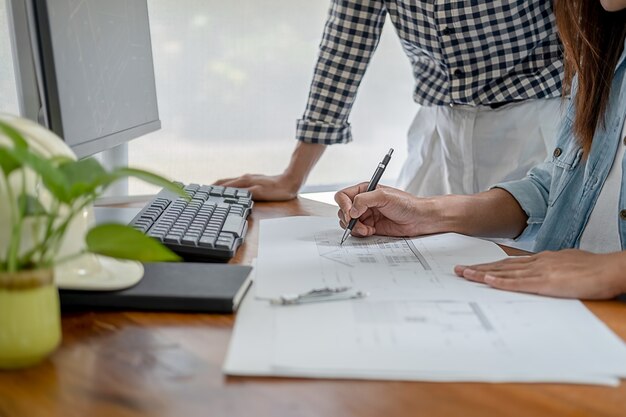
(117, 193)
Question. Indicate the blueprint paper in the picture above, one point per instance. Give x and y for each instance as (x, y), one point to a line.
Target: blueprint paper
(447, 336)
(419, 322)
(298, 254)
(252, 345)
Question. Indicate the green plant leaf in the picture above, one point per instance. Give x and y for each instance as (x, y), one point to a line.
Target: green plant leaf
(124, 242)
(58, 160)
(8, 163)
(148, 177)
(51, 177)
(83, 177)
(15, 136)
(30, 206)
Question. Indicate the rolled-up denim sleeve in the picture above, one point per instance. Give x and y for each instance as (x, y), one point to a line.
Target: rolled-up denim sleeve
(532, 193)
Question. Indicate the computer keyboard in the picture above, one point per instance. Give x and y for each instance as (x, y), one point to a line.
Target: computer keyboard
(209, 227)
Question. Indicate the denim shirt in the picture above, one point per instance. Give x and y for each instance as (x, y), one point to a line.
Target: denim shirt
(559, 195)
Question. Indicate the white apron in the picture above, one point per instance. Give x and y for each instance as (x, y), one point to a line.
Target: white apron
(467, 149)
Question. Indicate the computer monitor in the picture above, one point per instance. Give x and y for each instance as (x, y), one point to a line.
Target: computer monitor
(84, 69)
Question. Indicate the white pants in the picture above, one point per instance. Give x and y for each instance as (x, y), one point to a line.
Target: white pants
(466, 149)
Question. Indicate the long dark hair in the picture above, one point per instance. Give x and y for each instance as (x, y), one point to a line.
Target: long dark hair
(593, 40)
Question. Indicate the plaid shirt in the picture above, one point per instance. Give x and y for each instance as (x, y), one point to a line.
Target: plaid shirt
(462, 52)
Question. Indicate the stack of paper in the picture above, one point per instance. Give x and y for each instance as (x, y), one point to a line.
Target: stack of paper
(419, 322)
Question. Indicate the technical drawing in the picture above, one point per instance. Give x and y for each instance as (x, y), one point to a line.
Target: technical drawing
(437, 324)
(371, 251)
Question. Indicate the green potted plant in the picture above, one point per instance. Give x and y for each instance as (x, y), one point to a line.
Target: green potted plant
(44, 195)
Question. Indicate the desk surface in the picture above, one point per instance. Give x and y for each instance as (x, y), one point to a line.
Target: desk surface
(163, 364)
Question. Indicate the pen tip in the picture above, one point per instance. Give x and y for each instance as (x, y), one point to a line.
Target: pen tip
(344, 237)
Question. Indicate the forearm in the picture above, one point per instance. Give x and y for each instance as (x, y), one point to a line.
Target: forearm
(616, 265)
(493, 213)
(303, 159)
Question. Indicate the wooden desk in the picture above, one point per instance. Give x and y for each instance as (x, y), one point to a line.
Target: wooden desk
(163, 364)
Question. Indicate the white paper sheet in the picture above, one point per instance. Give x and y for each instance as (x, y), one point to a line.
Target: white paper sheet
(251, 353)
(420, 322)
(298, 254)
(447, 336)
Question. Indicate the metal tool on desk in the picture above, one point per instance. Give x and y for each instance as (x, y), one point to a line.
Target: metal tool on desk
(319, 295)
(380, 169)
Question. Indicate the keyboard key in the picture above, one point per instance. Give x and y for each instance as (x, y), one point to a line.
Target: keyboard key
(172, 239)
(217, 191)
(244, 200)
(201, 196)
(234, 224)
(224, 243)
(236, 208)
(243, 193)
(207, 242)
(190, 240)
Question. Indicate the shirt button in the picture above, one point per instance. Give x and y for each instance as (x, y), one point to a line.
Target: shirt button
(622, 214)
(624, 140)
(557, 152)
(458, 73)
(447, 31)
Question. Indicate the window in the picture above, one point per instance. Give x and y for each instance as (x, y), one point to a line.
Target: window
(8, 92)
(233, 77)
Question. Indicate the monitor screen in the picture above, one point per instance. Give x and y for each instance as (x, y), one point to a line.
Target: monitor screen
(94, 59)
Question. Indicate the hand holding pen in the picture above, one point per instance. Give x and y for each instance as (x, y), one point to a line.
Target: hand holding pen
(380, 169)
(387, 211)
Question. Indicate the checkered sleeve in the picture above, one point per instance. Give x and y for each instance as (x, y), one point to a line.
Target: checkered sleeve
(351, 35)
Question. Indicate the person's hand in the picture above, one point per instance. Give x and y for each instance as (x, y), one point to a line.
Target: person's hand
(385, 211)
(568, 273)
(264, 187)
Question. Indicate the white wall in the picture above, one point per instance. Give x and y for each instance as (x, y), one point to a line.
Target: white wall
(233, 77)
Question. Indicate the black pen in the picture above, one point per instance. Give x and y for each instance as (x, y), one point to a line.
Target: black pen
(380, 169)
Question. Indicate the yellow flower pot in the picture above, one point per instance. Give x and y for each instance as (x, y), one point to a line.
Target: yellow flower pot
(30, 318)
